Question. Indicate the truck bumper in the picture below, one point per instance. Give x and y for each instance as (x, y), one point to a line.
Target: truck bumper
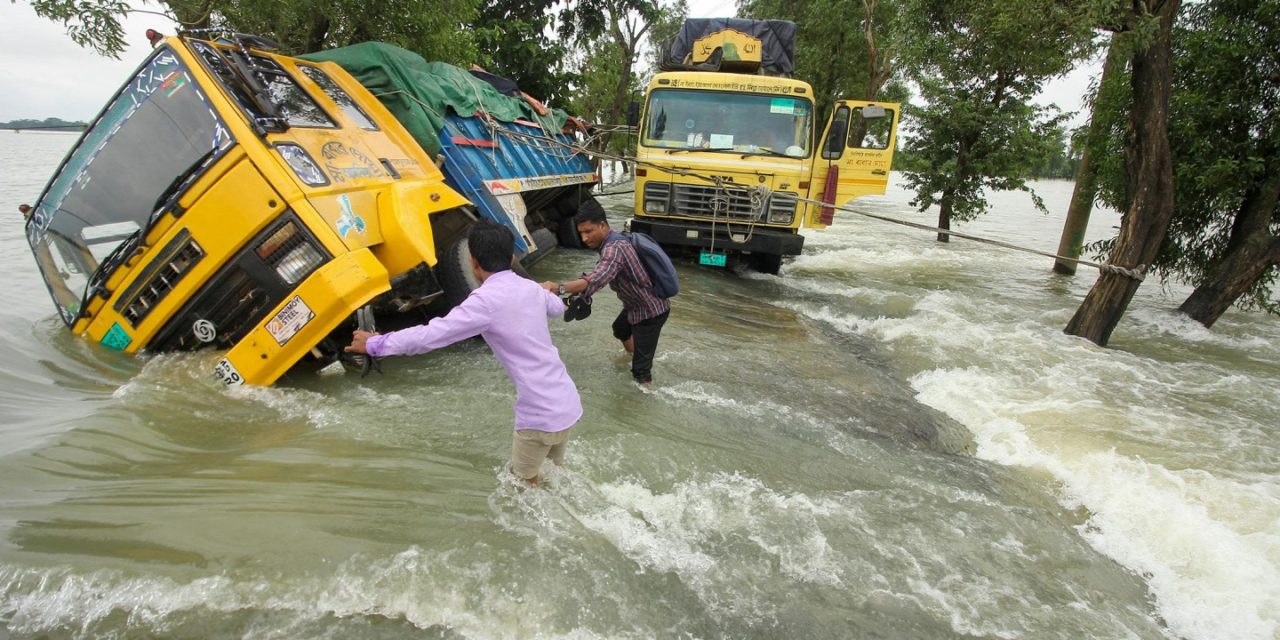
(306, 316)
(735, 237)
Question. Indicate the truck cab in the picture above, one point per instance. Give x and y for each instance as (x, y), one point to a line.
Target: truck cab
(731, 162)
(234, 198)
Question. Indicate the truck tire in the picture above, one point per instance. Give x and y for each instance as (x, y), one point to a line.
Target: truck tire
(567, 234)
(455, 274)
(546, 241)
(768, 263)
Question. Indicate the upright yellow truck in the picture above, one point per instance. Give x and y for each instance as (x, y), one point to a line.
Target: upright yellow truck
(727, 147)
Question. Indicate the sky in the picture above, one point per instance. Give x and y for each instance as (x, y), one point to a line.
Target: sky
(44, 74)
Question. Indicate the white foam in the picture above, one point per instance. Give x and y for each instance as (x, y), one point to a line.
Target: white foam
(1212, 569)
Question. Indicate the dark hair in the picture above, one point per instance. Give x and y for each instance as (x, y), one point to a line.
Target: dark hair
(492, 245)
(590, 211)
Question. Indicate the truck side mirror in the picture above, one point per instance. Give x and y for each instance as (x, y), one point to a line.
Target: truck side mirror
(633, 113)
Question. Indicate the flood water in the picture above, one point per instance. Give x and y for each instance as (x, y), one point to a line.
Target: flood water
(893, 439)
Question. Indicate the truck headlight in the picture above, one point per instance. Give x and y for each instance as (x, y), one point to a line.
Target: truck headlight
(291, 253)
(302, 164)
(655, 206)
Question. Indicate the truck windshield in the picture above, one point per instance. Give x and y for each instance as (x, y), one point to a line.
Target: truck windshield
(730, 122)
(155, 137)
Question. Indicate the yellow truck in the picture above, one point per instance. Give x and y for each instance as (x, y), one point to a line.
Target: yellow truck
(727, 152)
(233, 198)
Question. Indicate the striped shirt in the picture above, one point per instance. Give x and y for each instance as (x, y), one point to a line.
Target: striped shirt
(621, 269)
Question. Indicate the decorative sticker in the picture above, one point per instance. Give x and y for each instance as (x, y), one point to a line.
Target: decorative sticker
(290, 320)
(173, 83)
(116, 338)
(348, 163)
(348, 221)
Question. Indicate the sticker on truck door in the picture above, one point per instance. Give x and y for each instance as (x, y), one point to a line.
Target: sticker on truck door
(290, 320)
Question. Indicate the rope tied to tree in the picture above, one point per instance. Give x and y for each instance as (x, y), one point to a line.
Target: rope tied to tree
(761, 193)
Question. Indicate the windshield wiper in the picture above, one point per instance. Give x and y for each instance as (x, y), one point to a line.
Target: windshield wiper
(768, 152)
(107, 267)
(175, 186)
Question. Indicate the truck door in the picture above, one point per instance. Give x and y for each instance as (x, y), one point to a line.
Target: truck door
(854, 156)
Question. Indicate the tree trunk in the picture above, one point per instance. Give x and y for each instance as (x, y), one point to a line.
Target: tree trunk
(1251, 251)
(944, 214)
(1239, 269)
(1149, 168)
(1072, 242)
(317, 33)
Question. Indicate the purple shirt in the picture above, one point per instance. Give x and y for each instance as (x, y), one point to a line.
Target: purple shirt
(621, 269)
(510, 313)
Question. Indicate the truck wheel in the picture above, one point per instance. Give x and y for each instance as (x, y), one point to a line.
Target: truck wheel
(546, 241)
(768, 263)
(455, 274)
(567, 234)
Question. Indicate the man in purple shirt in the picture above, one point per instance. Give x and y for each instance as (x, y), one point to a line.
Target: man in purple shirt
(510, 312)
(643, 313)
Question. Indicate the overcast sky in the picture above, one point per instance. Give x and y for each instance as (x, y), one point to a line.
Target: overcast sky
(43, 74)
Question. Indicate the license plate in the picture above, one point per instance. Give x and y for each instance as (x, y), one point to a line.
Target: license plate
(226, 372)
(712, 259)
(292, 318)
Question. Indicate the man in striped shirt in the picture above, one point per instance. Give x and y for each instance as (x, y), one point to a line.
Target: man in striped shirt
(643, 313)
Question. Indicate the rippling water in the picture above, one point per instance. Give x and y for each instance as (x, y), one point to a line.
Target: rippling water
(891, 440)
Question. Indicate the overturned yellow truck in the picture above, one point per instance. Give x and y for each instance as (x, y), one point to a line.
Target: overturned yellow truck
(233, 198)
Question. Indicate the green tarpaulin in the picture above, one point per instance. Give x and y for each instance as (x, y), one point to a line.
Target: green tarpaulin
(420, 93)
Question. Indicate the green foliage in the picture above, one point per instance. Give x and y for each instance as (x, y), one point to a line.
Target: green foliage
(435, 29)
(978, 64)
(1224, 132)
(90, 23)
(513, 40)
(1060, 163)
(662, 33)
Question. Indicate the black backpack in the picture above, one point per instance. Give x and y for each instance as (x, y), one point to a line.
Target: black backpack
(662, 274)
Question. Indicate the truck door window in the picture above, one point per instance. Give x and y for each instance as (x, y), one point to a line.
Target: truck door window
(872, 128)
(335, 93)
(833, 146)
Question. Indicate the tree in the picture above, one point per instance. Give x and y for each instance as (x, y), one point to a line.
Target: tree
(90, 23)
(1071, 244)
(1225, 139)
(516, 40)
(978, 64)
(436, 30)
(1148, 170)
(432, 28)
(613, 34)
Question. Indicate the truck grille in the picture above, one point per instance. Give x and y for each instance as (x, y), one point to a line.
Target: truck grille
(248, 287)
(174, 261)
(697, 201)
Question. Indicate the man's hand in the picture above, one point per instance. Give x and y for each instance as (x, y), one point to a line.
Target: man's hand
(553, 287)
(358, 340)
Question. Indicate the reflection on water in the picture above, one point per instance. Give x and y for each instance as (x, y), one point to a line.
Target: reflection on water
(892, 439)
